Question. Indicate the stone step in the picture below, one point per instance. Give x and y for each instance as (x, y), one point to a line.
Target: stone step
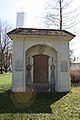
(42, 88)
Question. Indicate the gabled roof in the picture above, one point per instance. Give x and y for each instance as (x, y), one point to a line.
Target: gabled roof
(39, 31)
(36, 31)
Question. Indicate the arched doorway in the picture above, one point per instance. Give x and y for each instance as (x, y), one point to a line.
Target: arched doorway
(40, 68)
(42, 72)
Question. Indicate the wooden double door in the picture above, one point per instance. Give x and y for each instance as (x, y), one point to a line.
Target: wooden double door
(40, 70)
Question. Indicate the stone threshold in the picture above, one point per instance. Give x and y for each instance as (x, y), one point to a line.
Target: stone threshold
(41, 87)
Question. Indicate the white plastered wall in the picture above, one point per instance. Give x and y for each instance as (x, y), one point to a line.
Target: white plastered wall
(22, 44)
(18, 75)
(64, 83)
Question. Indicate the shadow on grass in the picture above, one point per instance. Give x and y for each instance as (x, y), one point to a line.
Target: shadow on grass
(28, 102)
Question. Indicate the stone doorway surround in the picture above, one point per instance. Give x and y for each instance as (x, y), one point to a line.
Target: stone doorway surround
(40, 60)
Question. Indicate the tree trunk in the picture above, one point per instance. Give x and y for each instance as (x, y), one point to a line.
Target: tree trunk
(1, 71)
(60, 15)
(5, 69)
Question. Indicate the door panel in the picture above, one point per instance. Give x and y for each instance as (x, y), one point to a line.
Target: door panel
(40, 69)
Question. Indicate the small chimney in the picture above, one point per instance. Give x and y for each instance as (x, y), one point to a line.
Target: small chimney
(20, 20)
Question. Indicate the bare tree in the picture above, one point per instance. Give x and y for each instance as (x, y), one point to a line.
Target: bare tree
(58, 14)
(5, 47)
(71, 55)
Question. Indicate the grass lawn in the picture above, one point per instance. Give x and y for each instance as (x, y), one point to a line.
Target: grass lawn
(37, 106)
(5, 78)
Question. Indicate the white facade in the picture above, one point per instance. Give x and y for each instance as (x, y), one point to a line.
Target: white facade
(27, 45)
(75, 64)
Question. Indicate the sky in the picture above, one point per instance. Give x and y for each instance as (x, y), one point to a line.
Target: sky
(33, 10)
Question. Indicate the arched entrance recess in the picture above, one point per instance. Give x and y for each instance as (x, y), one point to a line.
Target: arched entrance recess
(41, 62)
